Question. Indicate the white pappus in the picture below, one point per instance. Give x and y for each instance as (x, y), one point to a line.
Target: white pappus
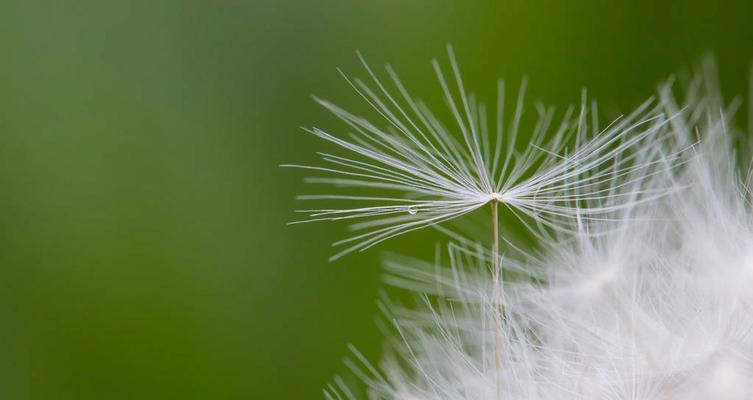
(427, 172)
(641, 283)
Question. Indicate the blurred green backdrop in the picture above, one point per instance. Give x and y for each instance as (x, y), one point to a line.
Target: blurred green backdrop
(143, 246)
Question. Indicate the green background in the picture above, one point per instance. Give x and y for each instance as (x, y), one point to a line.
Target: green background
(143, 246)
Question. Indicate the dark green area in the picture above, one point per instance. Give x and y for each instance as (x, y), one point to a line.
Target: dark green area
(143, 246)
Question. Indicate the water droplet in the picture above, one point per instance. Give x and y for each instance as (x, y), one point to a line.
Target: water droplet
(412, 210)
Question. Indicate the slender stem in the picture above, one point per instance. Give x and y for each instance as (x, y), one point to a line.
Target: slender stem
(496, 303)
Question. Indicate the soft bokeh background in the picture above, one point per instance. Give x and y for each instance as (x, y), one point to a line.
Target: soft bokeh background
(143, 246)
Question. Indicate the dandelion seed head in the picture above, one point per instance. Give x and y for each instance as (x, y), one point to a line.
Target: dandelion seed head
(638, 288)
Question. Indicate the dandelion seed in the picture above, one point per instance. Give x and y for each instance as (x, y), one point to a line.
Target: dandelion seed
(651, 303)
(636, 292)
(448, 171)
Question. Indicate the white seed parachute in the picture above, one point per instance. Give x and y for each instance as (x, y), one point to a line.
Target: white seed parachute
(641, 283)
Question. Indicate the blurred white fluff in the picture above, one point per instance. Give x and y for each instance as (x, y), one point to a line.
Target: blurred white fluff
(653, 301)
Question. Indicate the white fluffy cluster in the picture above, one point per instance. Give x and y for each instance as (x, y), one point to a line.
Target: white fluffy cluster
(653, 300)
